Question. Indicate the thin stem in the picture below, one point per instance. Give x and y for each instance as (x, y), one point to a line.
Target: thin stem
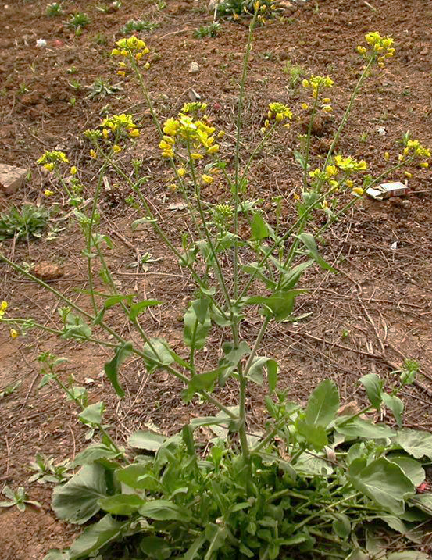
(308, 140)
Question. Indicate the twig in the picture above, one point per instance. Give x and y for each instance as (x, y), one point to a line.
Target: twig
(380, 342)
(32, 384)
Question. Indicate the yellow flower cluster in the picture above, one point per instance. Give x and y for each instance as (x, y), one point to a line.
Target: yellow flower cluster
(347, 165)
(3, 306)
(118, 124)
(279, 112)
(413, 147)
(379, 47)
(316, 83)
(196, 134)
(133, 49)
(194, 107)
(50, 159)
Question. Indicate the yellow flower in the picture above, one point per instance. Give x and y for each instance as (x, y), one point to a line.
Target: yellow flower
(117, 148)
(105, 133)
(207, 179)
(408, 174)
(13, 333)
(305, 106)
(121, 73)
(213, 149)
(221, 134)
(424, 164)
(134, 133)
(386, 156)
(147, 65)
(4, 305)
(181, 172)
(47, 192)
(172, 186)
(93, 154)
(196, 156)
(73, 170)
(49, 166)
(327, 109)
(326, 100)
(358, 191)
(305, 83)
(349, 184)
(331, 170)
(139, 56)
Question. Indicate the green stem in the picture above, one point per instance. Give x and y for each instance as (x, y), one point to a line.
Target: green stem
(308, 141)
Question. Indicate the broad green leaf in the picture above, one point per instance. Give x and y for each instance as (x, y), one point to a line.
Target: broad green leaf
(92, 453)
(78, 499)
(157, 353)
(76, 327)
(150, 441)
(323, 404)
(121, 504)
(356, 451)
(112, 367)
(415, 442)
(384, 483)
(196, 326)
(315, 435)
(92, 414)
(342, 525)
(255, 372)
(373, 385)
(289, 279)
(357, 428)
(423, 502)
(138, 476)
(312, 466)
(137, 308)
(56, 554)
(395, 405)
(393, 522)
(96, 536)
(258, 272)
(164, 510)
(411, 468)
(259, 227)
(110, 302)
(216, 535)
(358, 554)
(203, 381)
(234, 355)
(309, 242)
(281, 303)
(155, 547)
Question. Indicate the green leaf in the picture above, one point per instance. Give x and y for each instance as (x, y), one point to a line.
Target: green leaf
(281, 303)
(121, 504)
(423, 502)
(289, 279)
(150, 441)
(342, 525)
(357, 428)
(158, 353)
(197, 324)
(259, 227)
(255, 372)
(138, 476)
(92, 414)
(373, 385)
(315, 435)
(78, 499)
(110, 302)
(411, 468)
(323, 404)
(193, 550)
(210, 421)
(164, 510)
(96, 536)
(395, 405)
(384, 483)
(155, 547)
(141, 306)
(75, 327)
(93, 453)
(312, 466)
(415, 442)
(216, 535)
(309, 242)
(201, 382)
(112, 367)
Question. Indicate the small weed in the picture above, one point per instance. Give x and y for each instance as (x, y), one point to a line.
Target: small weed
(75, 84)
(295, 73)
(138, 25)
(78, 21)
(363, 137)
(54, 9)
(72, 101)
(109, 8)
(30, 221)
(100, 88)
(17, 498)
(10, 389)
(100, 39)
(72, 70)
(47, 471)
(23, 88)
(207, 30)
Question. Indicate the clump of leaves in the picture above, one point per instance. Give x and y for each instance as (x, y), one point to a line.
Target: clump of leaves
(235, 8)
(295, 73)
(30, 221)
(10, 389)
(101, 88)
(133, 25)
(208, 30)
(109, 8)
(54, 9)
(78, 21)
(17, 498)
(46, 470)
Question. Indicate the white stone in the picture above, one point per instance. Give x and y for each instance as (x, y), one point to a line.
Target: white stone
(11, 178)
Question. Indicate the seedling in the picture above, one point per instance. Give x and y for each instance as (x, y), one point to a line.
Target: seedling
(47, 471)
(75, 84)
(30, 221)
(78, 21)
(54, 9)
(17, 498)
(208, 30)
(133, 25)
(295, 73)
(100, 88)
(10, 389)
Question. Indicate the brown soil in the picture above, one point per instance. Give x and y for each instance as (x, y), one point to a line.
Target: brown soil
(368, 318)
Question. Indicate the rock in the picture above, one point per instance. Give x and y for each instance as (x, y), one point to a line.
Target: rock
(11, 178)
(194, 68)
(47, 271)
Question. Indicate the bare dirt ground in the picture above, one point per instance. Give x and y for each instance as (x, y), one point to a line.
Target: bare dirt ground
(369, 317)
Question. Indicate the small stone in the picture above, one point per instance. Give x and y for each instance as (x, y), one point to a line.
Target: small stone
(47, 271)
(194, 68)
(11, 178)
